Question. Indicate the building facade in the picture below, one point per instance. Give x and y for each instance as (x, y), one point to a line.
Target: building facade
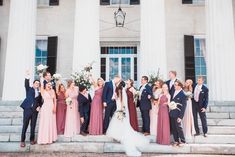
(193, 37)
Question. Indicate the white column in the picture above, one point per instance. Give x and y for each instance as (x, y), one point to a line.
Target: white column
(220, 44)
(86, 35)
(152, 38)
(20, 47)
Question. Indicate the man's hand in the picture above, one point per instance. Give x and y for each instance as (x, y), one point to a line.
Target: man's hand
(82, 120)
(27, 74)
(38, 109)
(179, 120)
(203, 110)
(105, 104)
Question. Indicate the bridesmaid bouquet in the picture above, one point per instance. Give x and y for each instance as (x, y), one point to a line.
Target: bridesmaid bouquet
(173, 105)
(83, 77)
(68, 101)
(121, 114)
(41, 68)
(57, 77)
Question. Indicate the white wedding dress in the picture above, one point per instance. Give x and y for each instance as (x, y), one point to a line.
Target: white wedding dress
(122, 131)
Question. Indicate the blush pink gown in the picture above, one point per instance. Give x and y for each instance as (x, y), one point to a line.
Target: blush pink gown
(47, 132)
(96, 116)
(72, 120)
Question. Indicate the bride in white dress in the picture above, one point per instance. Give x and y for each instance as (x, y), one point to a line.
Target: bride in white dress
(120, 128)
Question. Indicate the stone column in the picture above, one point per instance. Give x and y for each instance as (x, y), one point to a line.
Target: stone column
(20, 50)
(152, 38)
(220, 44)
(86, 35)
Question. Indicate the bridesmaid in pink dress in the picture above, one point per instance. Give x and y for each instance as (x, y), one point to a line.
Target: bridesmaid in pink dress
(187, 121)
(163, 128)
(157, 90)
(61, 109)
(47, 132)
(96, 115)
(72, 120)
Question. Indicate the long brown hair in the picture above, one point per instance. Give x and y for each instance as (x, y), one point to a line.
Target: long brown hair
(119, 89)
(161, 82)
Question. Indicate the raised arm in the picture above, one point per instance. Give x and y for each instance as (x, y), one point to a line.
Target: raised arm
(26, 81)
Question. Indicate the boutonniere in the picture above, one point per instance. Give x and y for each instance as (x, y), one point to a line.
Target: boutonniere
(178, 98)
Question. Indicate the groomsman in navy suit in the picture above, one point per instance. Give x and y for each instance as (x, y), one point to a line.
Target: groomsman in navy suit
(47, 78)
(109, 100)
(31, 106)
(200, 102)
(145, 104)
(170, 83)
(176, 115)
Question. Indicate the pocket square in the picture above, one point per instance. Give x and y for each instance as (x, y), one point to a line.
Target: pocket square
(178, 98)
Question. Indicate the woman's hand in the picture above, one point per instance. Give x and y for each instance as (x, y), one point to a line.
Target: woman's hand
(82, 120)
(54, 110)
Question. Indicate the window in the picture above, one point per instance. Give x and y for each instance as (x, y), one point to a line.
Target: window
(119, 61)
(199, 53)
(46, 53)
(114, 2)
(194, 52)
(42, 3)
(1, 2)
(199, 2)
(40, 54)
(118, 1)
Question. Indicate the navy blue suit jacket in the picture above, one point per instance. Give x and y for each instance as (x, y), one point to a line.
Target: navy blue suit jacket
(84, 104)
(108, 93)
(181, 99)
(145, 102)
(30, 101)
(172, 89)
(203, 96)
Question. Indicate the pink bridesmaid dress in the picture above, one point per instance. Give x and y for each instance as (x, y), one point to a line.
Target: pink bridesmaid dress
(96, 116)
(163, 128)
(47, 132)
(154, 114)
(187, 121)
(60, 113)
(72, 120)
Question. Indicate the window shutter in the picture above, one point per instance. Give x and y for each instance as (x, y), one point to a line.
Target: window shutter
(54, 2)
(189, 58)
(52, 54)
(104, 2)
(1, 2)
(187, 1)
(134, 2)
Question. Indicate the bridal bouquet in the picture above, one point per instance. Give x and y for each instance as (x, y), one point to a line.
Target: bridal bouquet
(68, 101)
(57, 77)
(121, 114)
(41, 68)
(173, 105)
(83, 77)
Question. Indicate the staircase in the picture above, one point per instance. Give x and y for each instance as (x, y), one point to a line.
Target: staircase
(220, 140)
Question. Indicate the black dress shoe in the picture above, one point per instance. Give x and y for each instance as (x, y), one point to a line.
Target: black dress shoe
(33, 142)
(197, 134)
(205, 135)
(83, 133)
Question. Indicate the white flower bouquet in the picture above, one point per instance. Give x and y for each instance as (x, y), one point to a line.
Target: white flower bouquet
(68, 101)
(173, 105)
(121, 114)
(83, 77)
(57, 77)
(41, 68)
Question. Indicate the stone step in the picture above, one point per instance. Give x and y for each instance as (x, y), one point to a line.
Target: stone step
(211, 139)
(10, 109)
(230, 109)
(223, 130)
(89, 147)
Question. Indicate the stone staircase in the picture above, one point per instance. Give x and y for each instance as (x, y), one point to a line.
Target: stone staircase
(220, 140)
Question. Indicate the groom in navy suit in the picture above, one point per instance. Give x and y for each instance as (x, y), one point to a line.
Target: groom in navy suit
(170, 83)
(145, 104)
(31, 106)
(109, 100)
(200, 102)
(177, 114)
